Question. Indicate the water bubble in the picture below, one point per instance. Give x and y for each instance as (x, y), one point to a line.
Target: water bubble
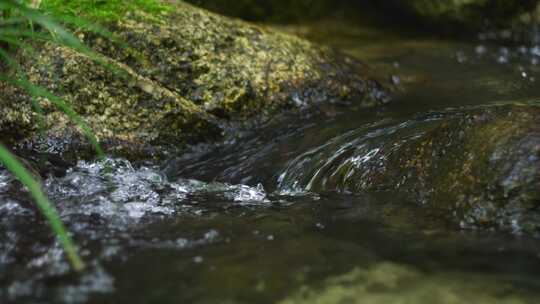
(503, 56)
(243, 193)
(211, 235)
(182, 242)
(461, 57)
(480, 50)
(535, 50)
(395, 80)
(502, 59)
(198, 259)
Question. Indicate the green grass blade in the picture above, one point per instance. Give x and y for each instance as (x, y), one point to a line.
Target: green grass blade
(8, 60)
(70, 113)
(37, 91)
(11, 21)
(91, 27)
(35, 104)
(24, 33)
(14, 166)
(63, 36)
(15, 42)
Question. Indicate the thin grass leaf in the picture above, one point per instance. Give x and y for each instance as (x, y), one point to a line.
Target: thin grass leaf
(91, 27)
(37, 91)
(12, 41)
(12, 21)
(62, 35)
(8, 60)
(18, 43)
(70, 113)
(35, 104)
(46, 208)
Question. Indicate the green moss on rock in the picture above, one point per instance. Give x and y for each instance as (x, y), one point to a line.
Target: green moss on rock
(110, 10)
(187, 73)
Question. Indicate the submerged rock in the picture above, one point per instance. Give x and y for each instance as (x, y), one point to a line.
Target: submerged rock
(182, 76)
(478, 166)
(391, 283)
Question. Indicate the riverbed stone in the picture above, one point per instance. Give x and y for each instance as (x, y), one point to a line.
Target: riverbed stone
(391, 283)
(181, 77)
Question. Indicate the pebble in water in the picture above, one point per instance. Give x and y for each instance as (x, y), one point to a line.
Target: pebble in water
(480, 50)
(320, 226)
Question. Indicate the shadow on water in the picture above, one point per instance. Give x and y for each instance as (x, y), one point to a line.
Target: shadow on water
(214, 225)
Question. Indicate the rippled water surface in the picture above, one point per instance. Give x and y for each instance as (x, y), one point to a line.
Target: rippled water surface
(252, 220)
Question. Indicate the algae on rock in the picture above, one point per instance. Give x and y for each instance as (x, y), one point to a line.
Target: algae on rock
(188, 72)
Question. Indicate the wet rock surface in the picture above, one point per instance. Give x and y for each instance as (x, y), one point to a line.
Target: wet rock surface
(184, 76)
(479, 167)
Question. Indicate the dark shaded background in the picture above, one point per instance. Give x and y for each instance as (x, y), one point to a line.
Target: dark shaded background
(422, 15)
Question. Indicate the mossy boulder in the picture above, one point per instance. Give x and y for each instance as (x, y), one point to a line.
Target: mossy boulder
(477, 167)
(184, 75)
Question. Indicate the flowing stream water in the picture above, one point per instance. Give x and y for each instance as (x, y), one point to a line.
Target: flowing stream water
(270, 218)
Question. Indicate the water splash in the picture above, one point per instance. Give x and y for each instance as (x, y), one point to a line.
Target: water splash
(107, 205)
(115, 190)
(351, 156)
